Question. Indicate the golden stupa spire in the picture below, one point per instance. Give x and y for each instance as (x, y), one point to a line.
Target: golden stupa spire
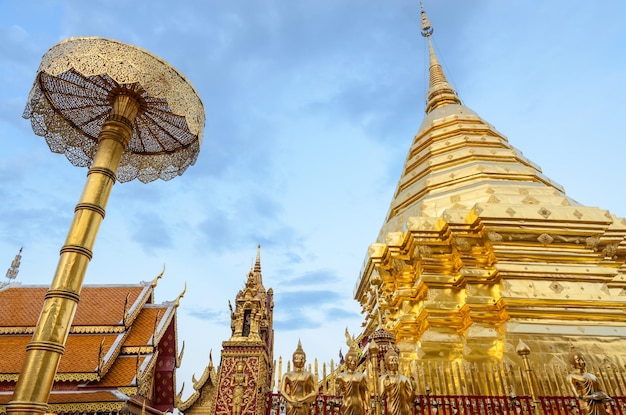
(440, 92)
(480, 251)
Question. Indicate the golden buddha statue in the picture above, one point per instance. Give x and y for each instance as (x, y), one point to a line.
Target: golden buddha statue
(298, 386)
(352, 386)
(586, 387)
(396, 390)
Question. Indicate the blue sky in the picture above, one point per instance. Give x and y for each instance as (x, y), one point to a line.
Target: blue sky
(311, 107)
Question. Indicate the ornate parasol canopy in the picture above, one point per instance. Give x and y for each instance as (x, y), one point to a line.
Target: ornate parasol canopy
(73, 94)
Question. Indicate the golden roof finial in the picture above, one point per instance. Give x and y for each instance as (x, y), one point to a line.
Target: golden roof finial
(127, 305)
(100, 358)
(440, 92)
(179, 396)
(14, 269)
(155, 281)
(181, 295)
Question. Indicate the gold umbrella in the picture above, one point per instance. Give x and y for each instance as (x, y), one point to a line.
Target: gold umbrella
(124, 113)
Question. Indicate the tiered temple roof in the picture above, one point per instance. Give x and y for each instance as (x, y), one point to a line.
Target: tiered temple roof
(120, 355)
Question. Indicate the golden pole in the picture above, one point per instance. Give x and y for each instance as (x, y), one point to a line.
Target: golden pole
(373, 355)
(44, 351)
(523, 351)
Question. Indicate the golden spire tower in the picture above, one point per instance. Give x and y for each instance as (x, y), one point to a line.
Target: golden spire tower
(245, 373)
(440, 92)
(480, 250)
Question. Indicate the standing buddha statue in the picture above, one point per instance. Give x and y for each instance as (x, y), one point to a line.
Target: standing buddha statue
(352, 386)
(586, 387)
(396, 390)
(298, 386)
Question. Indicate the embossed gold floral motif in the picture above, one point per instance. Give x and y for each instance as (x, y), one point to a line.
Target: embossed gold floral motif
(73, 94)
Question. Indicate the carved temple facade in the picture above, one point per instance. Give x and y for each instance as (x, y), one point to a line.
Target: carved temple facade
(241, 384)
(120, 357)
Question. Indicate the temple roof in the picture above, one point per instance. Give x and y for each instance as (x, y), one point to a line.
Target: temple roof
(100, 305)
(111, 348)
(81, 354)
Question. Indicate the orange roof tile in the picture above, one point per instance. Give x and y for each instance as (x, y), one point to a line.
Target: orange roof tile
(21, 307)
(5, 397)
(81, 352)
(99, 305)
(13, 352)
(144, 325)
(79, 397)
(61, 397)
(122, 373)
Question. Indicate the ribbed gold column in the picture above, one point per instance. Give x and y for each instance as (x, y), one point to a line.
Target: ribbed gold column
(44, 351)
(374, 365)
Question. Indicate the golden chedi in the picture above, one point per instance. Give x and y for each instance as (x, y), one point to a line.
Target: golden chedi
(480, 250)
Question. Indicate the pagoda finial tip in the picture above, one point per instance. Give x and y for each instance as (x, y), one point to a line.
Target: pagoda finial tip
(440, 92)
(427, 28)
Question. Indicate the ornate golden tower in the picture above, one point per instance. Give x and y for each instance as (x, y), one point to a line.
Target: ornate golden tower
(480, 250)
(245, 373)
